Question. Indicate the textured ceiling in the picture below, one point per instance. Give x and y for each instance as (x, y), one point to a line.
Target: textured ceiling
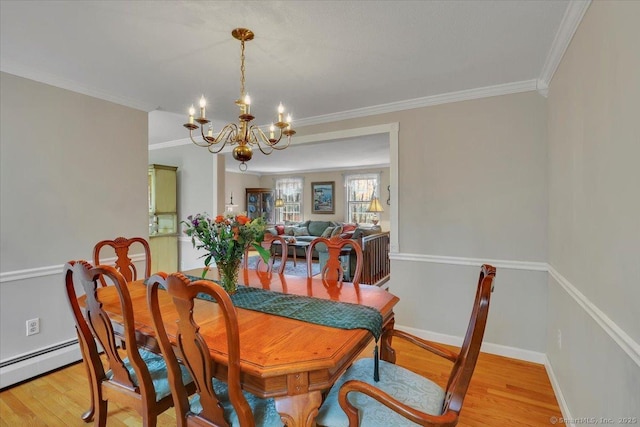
(317, 57)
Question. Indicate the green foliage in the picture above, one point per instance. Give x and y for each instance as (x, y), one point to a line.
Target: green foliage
(225, 238)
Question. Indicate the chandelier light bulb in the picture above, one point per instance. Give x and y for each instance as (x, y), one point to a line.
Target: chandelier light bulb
(247, 103)
(203, 103)
(192, 111)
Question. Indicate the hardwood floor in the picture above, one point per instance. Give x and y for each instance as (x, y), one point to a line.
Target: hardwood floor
(503, 392)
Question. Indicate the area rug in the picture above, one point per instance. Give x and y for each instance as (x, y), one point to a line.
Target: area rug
(300, 269)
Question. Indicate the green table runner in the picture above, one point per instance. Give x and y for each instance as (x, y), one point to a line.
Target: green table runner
(324, 312)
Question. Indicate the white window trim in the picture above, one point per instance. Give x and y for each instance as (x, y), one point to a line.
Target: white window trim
(365, 175)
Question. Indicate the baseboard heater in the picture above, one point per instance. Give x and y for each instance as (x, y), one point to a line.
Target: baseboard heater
(31, 365)
(38, 353)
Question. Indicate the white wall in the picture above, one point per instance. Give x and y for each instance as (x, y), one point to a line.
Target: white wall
(73, 172)
(472, 189)
(237, 183)
(594, 215)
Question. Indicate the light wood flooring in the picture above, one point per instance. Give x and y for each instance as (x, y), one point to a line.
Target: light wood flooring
(503, 392)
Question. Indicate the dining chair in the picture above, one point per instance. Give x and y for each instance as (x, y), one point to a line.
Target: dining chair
(336, 247)
(215, 403)
(138, 380)
(402, 397)
(124, 264)
(266, 243)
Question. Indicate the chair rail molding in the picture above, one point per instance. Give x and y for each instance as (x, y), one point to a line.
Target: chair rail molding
(30, 273)
(628, 344)
(619, 336)
(475, 262)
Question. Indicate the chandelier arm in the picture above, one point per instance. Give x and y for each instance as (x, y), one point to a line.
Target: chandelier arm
(226, 136)
(275, 145)
(257, 137)
(206, 143)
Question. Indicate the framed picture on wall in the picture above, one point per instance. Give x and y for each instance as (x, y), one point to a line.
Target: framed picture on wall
(323, 194)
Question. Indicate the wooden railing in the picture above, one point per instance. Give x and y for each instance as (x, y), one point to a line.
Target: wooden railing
(376, 268)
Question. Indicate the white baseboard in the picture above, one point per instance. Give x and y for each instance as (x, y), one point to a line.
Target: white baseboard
(30, 367)
(564, 408)
(487, 347)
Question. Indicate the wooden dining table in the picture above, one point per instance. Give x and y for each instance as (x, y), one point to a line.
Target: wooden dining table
(290, 360)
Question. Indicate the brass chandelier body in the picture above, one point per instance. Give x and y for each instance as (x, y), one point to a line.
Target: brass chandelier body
(243, 135)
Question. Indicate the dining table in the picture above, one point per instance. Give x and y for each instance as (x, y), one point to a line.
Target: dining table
(290, 360)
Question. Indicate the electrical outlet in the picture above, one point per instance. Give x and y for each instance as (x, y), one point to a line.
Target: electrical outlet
(33, 326)
(559, 337)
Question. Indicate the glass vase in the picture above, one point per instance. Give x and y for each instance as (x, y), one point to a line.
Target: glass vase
(228, 272)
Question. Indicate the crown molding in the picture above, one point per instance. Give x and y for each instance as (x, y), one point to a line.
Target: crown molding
(427, 101)
(10, 67)
(170, 144)
(570, 21)
(339, 169)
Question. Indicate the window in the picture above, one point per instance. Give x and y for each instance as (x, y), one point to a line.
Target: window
(290, 190)
(359, 190)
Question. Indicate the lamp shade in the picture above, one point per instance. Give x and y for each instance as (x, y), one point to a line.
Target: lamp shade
(375, 206)
(279, 203)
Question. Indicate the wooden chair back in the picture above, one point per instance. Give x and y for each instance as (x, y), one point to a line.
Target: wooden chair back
(93, 324)
(332, 270)
(124, 264)
(267, 242)
(194, 351)
(465, 364)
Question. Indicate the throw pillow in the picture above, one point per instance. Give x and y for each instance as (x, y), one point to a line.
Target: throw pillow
(300, 231)
(327, 232)
(280, 229)
(357, 233)
(317, 227)
(288, 230)
(271, 230)
(337, 231)
(348, 227)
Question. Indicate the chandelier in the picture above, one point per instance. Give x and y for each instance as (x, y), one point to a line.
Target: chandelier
(242, 135)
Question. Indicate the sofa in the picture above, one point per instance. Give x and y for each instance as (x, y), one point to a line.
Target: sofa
(308, 230)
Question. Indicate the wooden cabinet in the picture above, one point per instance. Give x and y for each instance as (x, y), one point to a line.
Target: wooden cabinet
(163, 218)
(164, 253)
(260, 202)
(163, 189)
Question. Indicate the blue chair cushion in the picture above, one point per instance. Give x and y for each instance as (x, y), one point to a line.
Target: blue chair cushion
(408, 387)
(264, 410)
(158, 371)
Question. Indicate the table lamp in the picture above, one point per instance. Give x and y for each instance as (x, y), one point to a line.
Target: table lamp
(375, 206)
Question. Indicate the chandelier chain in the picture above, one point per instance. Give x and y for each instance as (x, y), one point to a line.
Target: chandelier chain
(242, 93)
